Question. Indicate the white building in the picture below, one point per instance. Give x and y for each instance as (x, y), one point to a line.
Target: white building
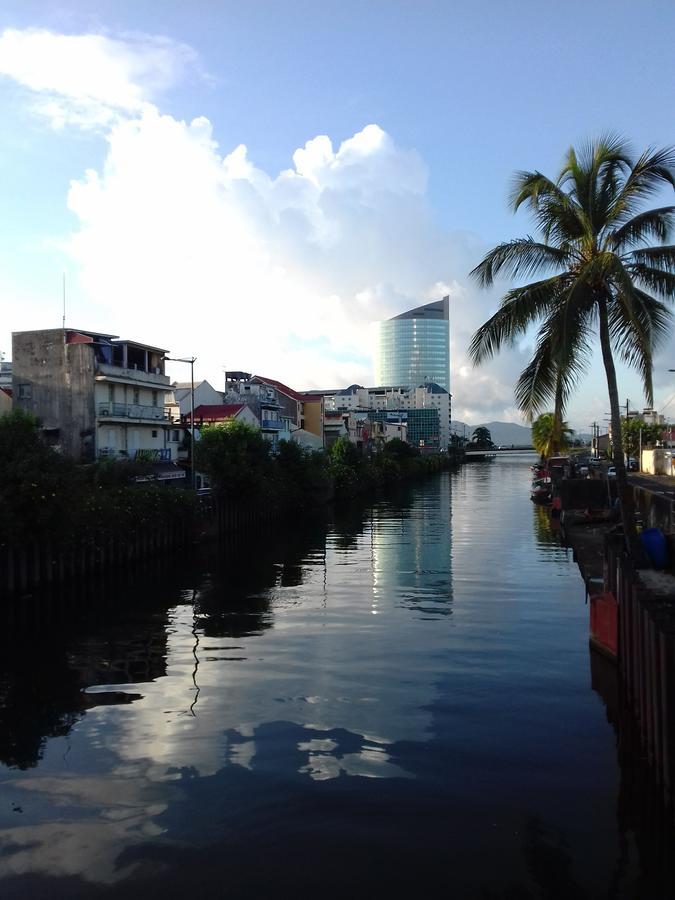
(426, 396)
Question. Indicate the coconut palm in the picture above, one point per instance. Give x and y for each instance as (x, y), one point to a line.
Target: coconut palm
(482, 437)
(549, 434)
(599, 278)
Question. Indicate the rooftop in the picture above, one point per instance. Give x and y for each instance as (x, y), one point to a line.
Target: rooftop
(439, 309)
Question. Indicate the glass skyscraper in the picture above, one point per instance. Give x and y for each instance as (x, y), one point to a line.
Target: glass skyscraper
(414, 348)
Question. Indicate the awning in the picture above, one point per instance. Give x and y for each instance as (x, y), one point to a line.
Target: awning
(162, 472)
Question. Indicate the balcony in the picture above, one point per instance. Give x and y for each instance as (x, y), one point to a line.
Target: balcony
(272, 425)
(153, 378)
(134, 411)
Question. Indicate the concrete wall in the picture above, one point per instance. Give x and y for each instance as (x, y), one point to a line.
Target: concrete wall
(313, 417)
(55, 381)
(657, 462)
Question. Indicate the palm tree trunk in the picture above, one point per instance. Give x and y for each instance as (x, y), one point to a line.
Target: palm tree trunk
(557, 435)
(624, 490)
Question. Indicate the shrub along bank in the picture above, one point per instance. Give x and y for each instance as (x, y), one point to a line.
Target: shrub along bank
(45, 496)
(243, 468)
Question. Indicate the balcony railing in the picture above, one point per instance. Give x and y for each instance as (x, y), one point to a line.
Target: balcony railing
(134, 411)
(272, 424)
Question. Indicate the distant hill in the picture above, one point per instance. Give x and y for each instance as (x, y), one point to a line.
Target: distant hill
(503, 433)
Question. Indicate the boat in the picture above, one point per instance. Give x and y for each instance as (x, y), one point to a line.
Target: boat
(541, 490)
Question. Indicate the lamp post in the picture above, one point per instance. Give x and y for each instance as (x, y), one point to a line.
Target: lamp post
(191, 360)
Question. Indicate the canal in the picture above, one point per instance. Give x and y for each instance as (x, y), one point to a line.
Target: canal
(398, 700)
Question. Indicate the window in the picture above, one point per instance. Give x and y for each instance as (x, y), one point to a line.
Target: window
(154, 433)
(175, 435)
(136, 396)
(25, 392)
(111, 393)
(154, 398)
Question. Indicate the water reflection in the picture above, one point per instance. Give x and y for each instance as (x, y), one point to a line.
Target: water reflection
(395, 700)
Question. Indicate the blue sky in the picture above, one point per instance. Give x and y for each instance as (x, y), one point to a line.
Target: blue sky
(464, 94)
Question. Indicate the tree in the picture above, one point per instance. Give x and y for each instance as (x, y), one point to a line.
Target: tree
(549, 436)
(600, 280)
(236, 458)
(482, 438)
(632, 439)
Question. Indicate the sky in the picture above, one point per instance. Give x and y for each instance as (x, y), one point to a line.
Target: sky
(256, 183)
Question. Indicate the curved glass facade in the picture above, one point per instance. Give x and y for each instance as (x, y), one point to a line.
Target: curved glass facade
(414, 348)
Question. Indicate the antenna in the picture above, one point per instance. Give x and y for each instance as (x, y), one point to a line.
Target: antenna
(64, 300)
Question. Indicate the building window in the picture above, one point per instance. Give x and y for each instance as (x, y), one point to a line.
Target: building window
(25, 392)
(111, 393)
(154, 398)
(175, 435)
(154, 433)
(136, 397)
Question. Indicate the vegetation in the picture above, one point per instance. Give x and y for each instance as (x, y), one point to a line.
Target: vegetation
(600, 279)
(44, 495)
(242, 466)
(549, 437)
(635, 433)
(482, 439)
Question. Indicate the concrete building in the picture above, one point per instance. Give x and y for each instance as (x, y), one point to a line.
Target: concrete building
(5, 387)
(398, 400)
(414, 347)
(95, 395)
(276, 417)
(205, 395)
(225, 412)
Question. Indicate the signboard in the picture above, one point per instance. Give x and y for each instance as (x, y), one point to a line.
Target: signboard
(162, 454)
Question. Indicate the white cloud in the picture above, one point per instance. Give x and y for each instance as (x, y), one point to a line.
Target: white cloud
(197, 249)
(90, 79)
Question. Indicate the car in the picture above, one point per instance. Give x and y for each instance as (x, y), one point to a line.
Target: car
(611, 472)
(633, 465)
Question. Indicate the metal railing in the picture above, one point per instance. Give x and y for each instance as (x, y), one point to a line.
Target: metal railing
(272, 424)
(134, 411)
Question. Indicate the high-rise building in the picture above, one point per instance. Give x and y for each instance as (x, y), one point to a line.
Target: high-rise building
(414, 347)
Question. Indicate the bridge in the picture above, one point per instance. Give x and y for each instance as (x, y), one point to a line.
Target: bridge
(499, 451)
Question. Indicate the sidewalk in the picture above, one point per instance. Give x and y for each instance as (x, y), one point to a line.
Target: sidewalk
(659, 484)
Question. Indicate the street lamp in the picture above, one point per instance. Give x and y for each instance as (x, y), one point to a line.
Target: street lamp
(191, 360)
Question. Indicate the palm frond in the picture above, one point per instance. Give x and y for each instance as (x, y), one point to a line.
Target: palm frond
(654, 223)
(520, 308)
(654, 279)
(653, 170)
(519, 257)
(659, 257)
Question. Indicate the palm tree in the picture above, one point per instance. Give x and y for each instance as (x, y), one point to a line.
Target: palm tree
(599, 278)
(482, 437)
(549, 435)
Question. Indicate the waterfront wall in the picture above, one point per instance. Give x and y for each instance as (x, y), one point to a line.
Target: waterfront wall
(646, 663)
(27, 566)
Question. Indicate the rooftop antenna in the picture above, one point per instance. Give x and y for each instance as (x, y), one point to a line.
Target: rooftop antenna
(64, 300)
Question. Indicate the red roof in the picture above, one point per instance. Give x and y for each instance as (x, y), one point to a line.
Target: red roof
(280, 386)
(6, 390)
(218, 412)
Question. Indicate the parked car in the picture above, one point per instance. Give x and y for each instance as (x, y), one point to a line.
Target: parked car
(611, 472)
(633, 465)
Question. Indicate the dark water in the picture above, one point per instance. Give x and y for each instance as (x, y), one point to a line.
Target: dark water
(396, 702)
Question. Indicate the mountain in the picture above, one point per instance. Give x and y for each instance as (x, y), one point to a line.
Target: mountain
(503, 433)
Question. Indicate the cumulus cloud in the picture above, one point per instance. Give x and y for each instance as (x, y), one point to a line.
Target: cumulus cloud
(196, 248)
(90, 79)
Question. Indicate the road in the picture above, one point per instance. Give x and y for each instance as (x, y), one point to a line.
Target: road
(660, 484)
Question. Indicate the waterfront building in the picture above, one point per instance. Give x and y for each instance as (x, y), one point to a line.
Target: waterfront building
(95, 395)
(397, 400)
(414, 347)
